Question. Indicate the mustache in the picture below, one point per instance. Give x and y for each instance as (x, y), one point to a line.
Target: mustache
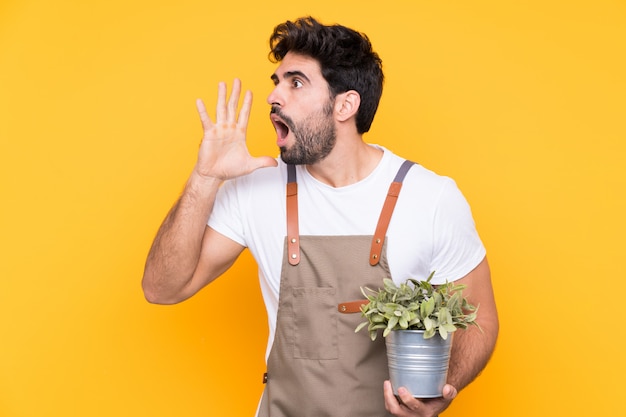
(276, 110)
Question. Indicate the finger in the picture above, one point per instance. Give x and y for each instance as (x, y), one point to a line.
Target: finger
(449, 392)
(263, 162)
(407, 399)
(244, 114)
(221, 103)
(204, 117)
(391, 402)
(233, 101)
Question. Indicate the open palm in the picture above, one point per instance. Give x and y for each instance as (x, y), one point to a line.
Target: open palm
(223, 152)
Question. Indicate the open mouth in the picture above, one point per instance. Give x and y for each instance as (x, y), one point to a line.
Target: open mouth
(282, 129)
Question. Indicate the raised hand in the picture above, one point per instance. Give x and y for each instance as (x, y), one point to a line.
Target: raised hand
(223, 152)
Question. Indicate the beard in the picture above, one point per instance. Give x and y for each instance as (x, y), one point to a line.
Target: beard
(315, 137)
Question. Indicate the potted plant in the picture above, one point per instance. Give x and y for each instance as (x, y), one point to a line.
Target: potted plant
(417, 319)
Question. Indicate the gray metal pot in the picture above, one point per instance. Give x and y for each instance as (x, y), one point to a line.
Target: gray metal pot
(420, 365)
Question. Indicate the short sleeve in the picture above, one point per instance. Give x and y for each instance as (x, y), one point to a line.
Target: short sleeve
(457, 247)
(226, 215)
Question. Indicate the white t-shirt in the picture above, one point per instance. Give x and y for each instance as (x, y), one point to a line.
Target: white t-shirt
(431, 228)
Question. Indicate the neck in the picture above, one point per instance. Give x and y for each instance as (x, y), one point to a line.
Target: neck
(350, 161)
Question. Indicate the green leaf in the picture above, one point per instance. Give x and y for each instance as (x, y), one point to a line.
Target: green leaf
(470, 318)
(444, 315)
(404, 320)
(438, 299)
(377, 319)
(390, 286)
(415, 321)
(360, 326)
(427, 307)
(443, 333)
(392, 322)
(417, 304)
(450, 328)
(413, 306)
(454, 303)
(428, 324)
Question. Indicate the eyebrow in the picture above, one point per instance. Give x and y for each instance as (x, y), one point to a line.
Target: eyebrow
(291, 74)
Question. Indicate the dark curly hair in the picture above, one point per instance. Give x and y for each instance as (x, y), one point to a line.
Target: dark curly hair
(346, 58)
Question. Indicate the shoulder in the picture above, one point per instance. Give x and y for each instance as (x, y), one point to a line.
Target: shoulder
(392, 162)
(424, 189)
(419, 178)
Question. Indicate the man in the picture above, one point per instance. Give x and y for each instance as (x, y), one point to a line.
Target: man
(308, 219)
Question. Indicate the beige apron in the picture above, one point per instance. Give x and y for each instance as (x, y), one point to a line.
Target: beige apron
(318, 366)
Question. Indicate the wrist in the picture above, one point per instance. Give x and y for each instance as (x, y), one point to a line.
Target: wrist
(202, 188)
(198, 179)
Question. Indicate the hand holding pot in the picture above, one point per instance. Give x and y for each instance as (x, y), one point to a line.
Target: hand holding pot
(411, 407)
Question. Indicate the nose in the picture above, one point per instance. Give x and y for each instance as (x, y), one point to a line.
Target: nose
(274, 98)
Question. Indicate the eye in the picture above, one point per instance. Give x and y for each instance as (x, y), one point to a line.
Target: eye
(296, 83)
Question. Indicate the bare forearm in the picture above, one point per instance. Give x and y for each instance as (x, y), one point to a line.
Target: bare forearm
(174, 270)
(175, 251)
(472, 347)
(471, 350)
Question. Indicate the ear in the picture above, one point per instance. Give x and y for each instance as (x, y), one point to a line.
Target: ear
(346, 105)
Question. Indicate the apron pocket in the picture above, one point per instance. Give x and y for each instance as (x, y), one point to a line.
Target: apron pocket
(315, 323)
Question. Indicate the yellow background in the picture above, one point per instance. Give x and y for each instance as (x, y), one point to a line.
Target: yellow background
(523, 103)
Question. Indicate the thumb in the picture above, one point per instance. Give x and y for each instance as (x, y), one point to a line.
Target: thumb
(263, 162)
(449, 392)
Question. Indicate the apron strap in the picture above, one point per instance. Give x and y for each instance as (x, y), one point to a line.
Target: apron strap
(293, 233)
(387, 211)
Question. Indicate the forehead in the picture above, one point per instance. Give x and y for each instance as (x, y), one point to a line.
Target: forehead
(294, 63)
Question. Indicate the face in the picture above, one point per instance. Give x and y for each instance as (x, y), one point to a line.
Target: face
(302, 111)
